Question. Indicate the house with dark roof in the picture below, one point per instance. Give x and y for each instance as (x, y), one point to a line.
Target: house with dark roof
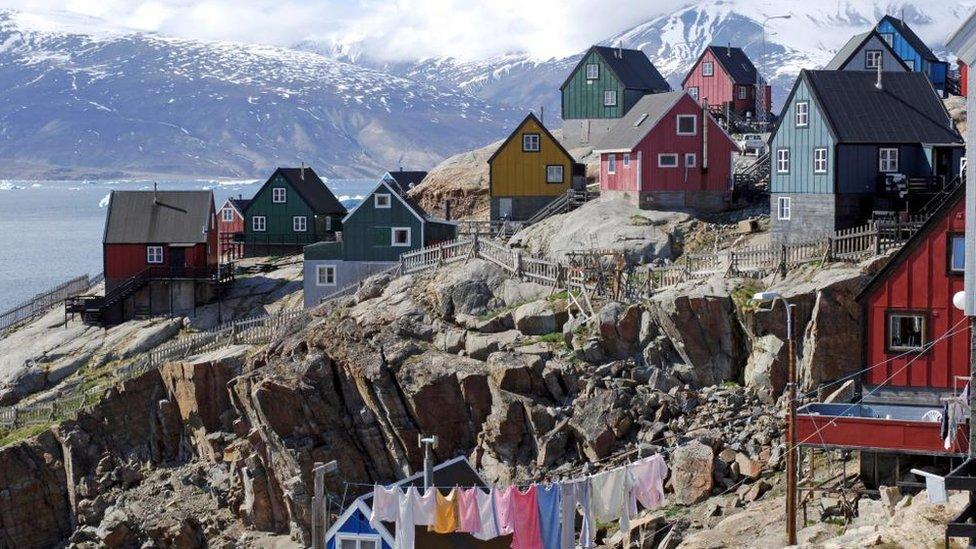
(405, 180)
(384, 225)
(292, 209)
(668, 153)
(849, 147)
(913, 51)
(230, 227)
(601, 88)
(725, 79)
(868, 51)
(529, 170)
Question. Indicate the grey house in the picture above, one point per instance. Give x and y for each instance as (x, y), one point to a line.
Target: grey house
(848, 148)
(867, 52)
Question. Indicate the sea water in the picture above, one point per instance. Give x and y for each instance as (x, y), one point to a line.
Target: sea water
(51, 231)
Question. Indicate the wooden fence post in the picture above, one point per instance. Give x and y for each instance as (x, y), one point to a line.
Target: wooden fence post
(517, 262)
(877, 240)
(475, 246)
(782, 259)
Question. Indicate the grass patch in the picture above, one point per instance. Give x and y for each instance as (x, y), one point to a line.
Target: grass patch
(742, 296)
(558, 296)
(17, 435)
(552, 337)
(640, 221)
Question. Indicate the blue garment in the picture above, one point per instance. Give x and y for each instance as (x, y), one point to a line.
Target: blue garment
(588, 527)
(549, 498)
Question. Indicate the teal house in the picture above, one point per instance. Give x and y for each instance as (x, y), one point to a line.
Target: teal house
(292, 209)
(384, 225)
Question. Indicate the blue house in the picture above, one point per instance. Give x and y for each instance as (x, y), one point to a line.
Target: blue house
(867, 51)
(849, 147)
(913, 51)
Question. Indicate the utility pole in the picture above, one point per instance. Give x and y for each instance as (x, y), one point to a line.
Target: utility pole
(761, 113)
(428, 444)
(320, 519)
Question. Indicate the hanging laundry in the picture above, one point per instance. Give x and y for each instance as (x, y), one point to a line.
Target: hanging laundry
(550, 500)
(647, 478)
(950, 423)
(385, 505)
(525, 519)
(486, 512)
(445, 512)
(469, 517)
(567, 514)
(502, 499)
(610, 497)
(414, 510)
(584, 496)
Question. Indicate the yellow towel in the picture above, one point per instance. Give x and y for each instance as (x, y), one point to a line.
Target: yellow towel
(445, 512)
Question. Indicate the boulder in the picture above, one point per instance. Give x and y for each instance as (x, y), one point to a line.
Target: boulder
(763, 367)
(372, 287)
(450, 340)
(516, 372)
(619, 329)
(592, 426)
(479, 346)
(535, 318)
(114, 530)
(749, 468)
(691, 473)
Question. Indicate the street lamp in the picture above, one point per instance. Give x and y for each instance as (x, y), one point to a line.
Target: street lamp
(761, 79)
(771, 298)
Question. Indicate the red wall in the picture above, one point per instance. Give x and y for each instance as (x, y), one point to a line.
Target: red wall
(126, 260)
(719, 89)
(964, 78)
(663, 138)
(921, 282)
(229, 227)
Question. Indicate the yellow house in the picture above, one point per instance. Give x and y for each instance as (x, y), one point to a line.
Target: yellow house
(528, 171)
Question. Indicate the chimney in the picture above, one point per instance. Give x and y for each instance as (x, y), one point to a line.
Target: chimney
(878, 84)
(447, 209)
(542, 115)
(303, 171)
(155, 195)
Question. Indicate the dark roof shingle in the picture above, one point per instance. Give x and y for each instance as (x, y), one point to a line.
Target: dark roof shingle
(909, 35)
(163, 217)
(312, 189)
(241, 204)
(736, 63)
(407, 180)
(633, 68)
(638, 121)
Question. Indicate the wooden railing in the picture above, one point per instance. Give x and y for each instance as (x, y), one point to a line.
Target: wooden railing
(41, 303)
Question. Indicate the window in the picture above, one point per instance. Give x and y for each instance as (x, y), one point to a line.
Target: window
(906, 331)
(299, 224)
(259, 223)
(381, 200)
(612, 163)
(530, 142)
(328, 223)
(227, 214)
(154, 254)
(400, 236)
(888, 37)
(708, 68)
(887, 160)
(592, 71)
(325, 275)
(279, 195)
(743, 91)
(610, 98)
(783, 207)
(910, 63)
(693, 92)
(782, 161)
(554, 173)
(802, 114)
(687, 124)
(957, 253)
(357, 541)
(691, 159)
(626, 160)
(667, 160)
(872, 59)
(820, 160)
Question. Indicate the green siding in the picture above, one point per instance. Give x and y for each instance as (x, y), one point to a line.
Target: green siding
(324, 251)
(366, 233)
(584, 99)
(801, 142)
(279, 216)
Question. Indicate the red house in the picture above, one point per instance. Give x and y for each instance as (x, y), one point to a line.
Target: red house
(230, 222)
(916, 348)
(667, 153)
(724, 78)
(963, 78)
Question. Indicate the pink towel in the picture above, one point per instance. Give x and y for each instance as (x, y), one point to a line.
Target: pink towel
(647, 478)
(503, 509)
(525, 510)
(468, 510)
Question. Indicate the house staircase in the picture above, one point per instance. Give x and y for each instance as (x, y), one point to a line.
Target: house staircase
(567, 202)
(963, 478)
(753, 181)
(953, 84)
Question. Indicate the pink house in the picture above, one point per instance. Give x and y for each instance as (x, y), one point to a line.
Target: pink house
(667, 153)
(724, 77)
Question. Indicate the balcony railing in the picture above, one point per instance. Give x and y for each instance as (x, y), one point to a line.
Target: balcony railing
(282, 239)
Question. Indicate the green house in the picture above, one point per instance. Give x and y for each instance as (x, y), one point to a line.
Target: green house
(292, 209)
(384, 225)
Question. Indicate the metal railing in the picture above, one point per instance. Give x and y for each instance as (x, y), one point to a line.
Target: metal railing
(41, 303)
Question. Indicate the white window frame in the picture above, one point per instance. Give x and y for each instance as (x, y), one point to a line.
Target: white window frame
(227, 214)
(609, 98)
(694, 125)
(279, 198)
(299, 224)
(263, 223)
(801, 116)
(691, 160)
(324, 280)
(743, 92)
(693, 92)
(820, 160)
(662, 156)
(358, 538)
(708, 68)
(531, 142)
(549, 174)
(393, 232)
(328, 223)
(783, 160)
(873, 59)
(891, 316)
(625, 160)
(888, 162)
(154, 255)
(382, 201)
(888, 37)
(595, 75)
(910, 63)
(611, 163)
(784, 208)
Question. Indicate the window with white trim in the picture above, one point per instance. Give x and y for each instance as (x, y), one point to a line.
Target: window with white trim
(227, 214)
(610, 98)
(783, 207)
(708, 68)
(299, 224)
(279, 195)
(887, 160)
(592, 71)
(154, 254)
(743, 92)
(259, 223)
(325, 275)
(693, 92)
(667, 160)
(626, 160)
(357, 541)
(782, 161)
(530, 142)
(611, 163)
(554, 173)
(888, 37)
(691, 160)
(873, 59)
(820, 160)
(906, 331)
(687, 124)
(381, 200)
(802, 114)
(910, 63)
(400, 237)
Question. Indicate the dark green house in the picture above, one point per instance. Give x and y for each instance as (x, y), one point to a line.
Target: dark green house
(292, 209)
(602, 87)
(384, 225)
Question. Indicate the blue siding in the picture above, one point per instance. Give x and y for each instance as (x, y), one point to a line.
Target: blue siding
(935, 71)
(801, 142)
(859, 166)
(356, 524)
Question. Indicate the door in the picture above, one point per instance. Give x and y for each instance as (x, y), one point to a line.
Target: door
(504, 208)
(177, 258)
(943, 163)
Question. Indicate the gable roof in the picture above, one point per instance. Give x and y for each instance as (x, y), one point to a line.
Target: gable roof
(239, 204)
(909, 35)
(735, 62)
(631, 67)
(515, 132)
(906, 109)
(158, 217)
(407, 202)
(406, 180)
(908, 247)
(312, 190)
(359, 505)
(854, 45)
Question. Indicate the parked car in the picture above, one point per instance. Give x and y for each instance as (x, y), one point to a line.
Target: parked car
(753, 144)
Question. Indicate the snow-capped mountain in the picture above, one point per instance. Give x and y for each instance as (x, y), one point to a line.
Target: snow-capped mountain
(79, 102)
